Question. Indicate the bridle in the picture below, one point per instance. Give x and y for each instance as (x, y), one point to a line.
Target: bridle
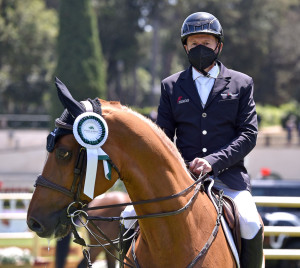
(74, 192)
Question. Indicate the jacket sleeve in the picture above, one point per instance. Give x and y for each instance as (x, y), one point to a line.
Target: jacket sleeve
(245, 140)
(165, 116)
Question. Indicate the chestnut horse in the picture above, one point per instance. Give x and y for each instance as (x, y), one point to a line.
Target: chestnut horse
(151, 167)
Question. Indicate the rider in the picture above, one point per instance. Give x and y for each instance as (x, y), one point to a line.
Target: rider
(212, 112)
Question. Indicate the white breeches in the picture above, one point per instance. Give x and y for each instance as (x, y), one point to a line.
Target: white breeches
(248, 214)
(128, 212)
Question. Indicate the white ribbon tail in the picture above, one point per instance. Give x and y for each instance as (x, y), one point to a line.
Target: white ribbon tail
(91, 170)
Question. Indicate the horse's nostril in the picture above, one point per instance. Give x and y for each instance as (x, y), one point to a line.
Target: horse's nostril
(35, 226)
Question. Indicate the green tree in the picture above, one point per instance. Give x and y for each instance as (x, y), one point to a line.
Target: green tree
(27, 41)
(118, 26)
(287, 55)
(80, 62)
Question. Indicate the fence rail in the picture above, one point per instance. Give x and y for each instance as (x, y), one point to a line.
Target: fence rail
(15, 196)
(286, 230)
(277, 201)
(270, 254)
(282, 254)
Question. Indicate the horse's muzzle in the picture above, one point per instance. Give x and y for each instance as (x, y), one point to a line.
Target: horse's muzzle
(35, 226)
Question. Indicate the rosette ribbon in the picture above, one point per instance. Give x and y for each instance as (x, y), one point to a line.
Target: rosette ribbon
(91, 131)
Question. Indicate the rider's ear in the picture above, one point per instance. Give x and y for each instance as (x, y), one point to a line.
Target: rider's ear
(73, 106)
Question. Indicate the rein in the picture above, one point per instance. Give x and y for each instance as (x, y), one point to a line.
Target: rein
(154, 215)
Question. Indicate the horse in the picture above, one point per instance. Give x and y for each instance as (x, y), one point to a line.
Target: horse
(111, 230)
(151, 168)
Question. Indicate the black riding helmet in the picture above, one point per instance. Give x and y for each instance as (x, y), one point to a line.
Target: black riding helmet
(201, 22)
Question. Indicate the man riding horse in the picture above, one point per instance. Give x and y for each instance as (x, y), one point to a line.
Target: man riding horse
(212, 111)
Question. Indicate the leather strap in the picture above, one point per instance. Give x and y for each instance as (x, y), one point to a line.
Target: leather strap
(41, 181)
(212, 235)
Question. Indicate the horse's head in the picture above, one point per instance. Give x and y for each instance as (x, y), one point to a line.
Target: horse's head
(64, 179)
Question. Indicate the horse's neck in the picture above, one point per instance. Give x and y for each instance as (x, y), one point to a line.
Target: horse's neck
(158, 234)
(155, 173)
(150, 168)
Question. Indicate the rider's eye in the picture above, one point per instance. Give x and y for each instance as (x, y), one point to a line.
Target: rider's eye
(63, 154)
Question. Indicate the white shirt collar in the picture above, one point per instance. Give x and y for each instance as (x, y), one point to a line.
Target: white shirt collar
(213, 73)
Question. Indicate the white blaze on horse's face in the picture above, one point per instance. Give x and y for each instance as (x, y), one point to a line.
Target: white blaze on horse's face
(91, 131)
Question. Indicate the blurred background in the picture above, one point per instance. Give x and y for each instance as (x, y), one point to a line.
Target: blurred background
(121, 50)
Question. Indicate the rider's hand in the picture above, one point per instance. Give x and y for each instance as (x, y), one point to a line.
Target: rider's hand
(199, 165)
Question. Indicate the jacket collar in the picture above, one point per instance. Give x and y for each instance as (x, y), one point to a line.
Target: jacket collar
(188, 86)
(220, 84)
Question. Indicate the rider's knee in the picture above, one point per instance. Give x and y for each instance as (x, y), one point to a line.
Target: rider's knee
(249, 228)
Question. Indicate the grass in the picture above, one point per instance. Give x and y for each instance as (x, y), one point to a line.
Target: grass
(42, 248)
(25, 243)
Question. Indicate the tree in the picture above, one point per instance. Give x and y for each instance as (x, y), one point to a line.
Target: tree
(118, 26)
(80, 62)
(27, 40)
(141, 44)
(287, 55)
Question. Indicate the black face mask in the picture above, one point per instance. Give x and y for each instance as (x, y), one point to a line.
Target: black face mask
(202, 57)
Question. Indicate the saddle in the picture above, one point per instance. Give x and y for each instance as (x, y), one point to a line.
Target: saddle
(230, 214)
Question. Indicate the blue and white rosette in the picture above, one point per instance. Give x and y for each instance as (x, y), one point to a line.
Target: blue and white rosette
(91, 131)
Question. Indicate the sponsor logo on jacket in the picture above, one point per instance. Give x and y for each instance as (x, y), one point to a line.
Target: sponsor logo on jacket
(180, 100)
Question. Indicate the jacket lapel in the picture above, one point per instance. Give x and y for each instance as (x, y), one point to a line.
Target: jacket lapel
(220, 84)
(188, 86)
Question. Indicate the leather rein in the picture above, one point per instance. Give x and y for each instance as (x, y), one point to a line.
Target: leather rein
(75, 191)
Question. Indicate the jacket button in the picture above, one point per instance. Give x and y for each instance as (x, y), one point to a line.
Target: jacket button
(204, 114)
(204, 150)
(204, 132)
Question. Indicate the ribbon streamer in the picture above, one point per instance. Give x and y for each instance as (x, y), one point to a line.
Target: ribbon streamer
(107, 166)
(93, 155)
(91, 170)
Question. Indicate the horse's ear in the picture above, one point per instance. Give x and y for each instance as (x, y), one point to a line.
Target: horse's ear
(73, 106)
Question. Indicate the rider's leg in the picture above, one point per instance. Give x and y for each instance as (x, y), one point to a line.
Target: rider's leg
(251, 226)
(128, 228)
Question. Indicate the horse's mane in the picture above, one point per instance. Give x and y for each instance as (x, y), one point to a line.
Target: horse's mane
(169, 144)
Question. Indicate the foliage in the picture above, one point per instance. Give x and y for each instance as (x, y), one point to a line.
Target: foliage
(276, 115)
(118, 27)
(145, 110)
(80, 63)
(27, 39)
(141, 46)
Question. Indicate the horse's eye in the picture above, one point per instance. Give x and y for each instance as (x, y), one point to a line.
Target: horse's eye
(63, 154)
